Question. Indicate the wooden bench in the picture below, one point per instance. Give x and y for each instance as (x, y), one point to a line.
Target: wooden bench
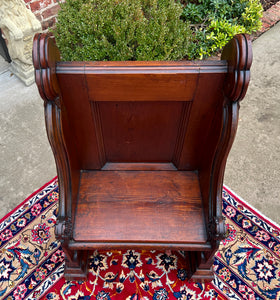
(140, 149)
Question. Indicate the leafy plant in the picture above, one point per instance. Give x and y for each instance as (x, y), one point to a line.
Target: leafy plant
(215, 22)
(122, 30)
(151, 29)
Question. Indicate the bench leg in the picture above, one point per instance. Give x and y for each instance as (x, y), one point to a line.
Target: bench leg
(76, 264)
(199, 265)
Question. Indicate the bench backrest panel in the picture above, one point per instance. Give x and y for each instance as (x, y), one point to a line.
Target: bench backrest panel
(152, 117)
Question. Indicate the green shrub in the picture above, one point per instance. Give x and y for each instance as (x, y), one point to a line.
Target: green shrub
(122, 30)
(151, 29)
(215, 22)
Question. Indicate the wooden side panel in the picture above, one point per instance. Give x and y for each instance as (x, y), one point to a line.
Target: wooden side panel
(208, 97)
(206, 159)
(73, 160)
(83, 129)
(45, 57)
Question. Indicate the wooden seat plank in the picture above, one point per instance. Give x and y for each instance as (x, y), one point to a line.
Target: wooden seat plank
(147, 206)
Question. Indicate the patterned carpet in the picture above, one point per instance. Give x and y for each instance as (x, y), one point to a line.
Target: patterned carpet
(31, 261)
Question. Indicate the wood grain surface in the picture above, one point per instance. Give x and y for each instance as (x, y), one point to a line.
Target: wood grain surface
(140, 206)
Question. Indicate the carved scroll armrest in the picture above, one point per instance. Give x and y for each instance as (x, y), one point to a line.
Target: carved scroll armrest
(238, 53)
(45, 55)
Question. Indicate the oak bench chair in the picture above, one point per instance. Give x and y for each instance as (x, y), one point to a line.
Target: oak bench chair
(140, 150)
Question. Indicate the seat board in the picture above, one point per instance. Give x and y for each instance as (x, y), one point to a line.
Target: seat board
(139, 206)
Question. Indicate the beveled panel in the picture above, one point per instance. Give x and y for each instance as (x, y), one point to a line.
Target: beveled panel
(140, 131)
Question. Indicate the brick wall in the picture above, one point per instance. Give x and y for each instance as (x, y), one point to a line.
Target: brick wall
(45, 11)
(270, 18)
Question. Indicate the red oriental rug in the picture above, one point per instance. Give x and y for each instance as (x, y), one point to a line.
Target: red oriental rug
(247, 265)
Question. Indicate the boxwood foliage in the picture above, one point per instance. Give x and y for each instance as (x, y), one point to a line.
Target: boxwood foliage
(151, 29)
(215, 22)
(122, 30)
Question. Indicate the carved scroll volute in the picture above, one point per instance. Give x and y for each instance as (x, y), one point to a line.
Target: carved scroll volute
(45, 55)
(238, 53)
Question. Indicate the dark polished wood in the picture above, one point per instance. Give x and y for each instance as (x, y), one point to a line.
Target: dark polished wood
(140, 150)
(155, 206)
